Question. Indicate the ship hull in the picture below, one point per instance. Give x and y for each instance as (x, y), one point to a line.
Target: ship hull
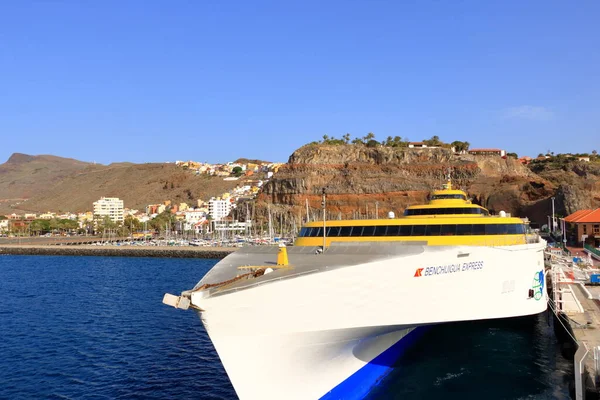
(334, 333)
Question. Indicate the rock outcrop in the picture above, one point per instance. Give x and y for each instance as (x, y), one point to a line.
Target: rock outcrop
(361, 181)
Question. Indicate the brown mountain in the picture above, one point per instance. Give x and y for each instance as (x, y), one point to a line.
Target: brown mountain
(23, 176)
(49, 183)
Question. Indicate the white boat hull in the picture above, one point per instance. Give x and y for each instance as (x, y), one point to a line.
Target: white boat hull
(333, 333)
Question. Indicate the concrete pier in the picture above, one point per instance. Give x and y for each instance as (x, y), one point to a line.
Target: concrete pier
(577, 309)
(118, 251)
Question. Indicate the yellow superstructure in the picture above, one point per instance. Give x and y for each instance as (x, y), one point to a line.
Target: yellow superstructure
(448, 219)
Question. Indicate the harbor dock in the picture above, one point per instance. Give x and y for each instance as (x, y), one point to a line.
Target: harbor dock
(118, 251)
(575, 301)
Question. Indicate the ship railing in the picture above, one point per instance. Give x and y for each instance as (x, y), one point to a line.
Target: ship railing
(510, 241)
(262, 282)
(532, 238)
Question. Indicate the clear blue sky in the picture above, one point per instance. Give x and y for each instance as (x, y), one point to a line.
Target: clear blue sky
(142, 81)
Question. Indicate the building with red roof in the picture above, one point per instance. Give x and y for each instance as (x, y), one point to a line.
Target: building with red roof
(584, 226)
(487, 152)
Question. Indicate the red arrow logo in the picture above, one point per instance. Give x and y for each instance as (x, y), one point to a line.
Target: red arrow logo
(418, 272)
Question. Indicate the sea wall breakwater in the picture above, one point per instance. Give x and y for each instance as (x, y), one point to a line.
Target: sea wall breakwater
(118, 251)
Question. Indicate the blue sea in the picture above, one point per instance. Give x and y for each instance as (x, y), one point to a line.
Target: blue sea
(95, 328)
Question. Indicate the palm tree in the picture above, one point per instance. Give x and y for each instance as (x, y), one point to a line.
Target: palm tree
(369, 136)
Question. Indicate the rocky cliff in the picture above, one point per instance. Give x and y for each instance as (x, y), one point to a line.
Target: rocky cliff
(361, 181)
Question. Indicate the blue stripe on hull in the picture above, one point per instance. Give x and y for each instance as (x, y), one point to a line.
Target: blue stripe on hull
(359, 384)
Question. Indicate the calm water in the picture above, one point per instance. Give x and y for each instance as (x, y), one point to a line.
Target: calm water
(95, 328)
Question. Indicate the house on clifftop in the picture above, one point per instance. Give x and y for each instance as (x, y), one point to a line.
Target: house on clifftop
(487, 152)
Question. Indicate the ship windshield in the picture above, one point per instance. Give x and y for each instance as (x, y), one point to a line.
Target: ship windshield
(445, 210)
(448, 196)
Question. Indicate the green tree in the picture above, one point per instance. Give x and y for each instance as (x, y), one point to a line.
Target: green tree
(368, 136)
(37, 226)
(346, 138)
(237, 171)
(132, 223)
(162, 221)
(460, 146)
(434, 141)
(513, 155)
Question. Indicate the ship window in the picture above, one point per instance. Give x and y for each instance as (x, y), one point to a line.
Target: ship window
(345, 231)
(463, 229)
(317, 232)
(445, 211)
(492, 229)
(513, 228)
(381, 230)
(418, 230)
(478, 229)
(393, 230)
(503, 229)
(520, 229)
(333, 231)
(357, 231)
(405, 230)
(303, 232)
(448, 230)
(368, 230)
(432, 230)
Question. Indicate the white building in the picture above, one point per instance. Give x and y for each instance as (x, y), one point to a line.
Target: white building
(3, 225)
(234, 226)
(111, 207)
(219, 208)
(192, 218)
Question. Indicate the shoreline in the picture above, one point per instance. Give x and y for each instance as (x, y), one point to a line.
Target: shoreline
(118, 251)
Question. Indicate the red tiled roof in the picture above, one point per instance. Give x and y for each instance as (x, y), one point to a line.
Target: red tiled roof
(594, 216)
(584, 216)
(573, 217)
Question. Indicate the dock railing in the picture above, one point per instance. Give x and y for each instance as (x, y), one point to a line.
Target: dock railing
(592, 249)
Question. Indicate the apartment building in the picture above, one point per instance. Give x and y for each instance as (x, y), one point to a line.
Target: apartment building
(219, 208)
(111, 207)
